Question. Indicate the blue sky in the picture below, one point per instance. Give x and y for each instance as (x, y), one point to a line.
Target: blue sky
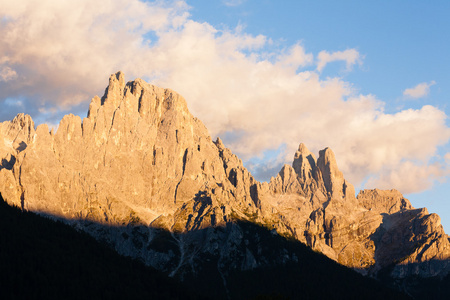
(367, 78)
(403, 43)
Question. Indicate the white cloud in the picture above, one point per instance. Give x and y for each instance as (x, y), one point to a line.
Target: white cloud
(350, 56)
(419, 91)
(409, 177)
(256, 100)
(295, 57)
(63, 48)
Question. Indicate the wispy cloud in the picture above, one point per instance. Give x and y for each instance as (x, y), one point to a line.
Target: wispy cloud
(419, 91)
(63, 54)
(350, 56)
(7, 74)
(233, 2)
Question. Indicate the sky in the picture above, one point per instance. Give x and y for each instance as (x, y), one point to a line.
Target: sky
(369, 79)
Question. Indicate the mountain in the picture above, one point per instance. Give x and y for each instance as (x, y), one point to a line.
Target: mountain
(143, 175)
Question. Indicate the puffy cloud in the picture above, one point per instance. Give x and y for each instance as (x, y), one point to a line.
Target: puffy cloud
(419, 91)
(397, 150)
(61, 51)
(259, 101)
(350, 56)
(409, 177)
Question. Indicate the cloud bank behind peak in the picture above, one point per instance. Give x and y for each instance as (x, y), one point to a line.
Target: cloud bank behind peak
(55, 55)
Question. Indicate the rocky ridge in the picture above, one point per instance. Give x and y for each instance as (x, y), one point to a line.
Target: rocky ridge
(141, 161)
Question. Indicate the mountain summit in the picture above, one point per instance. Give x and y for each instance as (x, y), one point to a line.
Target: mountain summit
(141, 159)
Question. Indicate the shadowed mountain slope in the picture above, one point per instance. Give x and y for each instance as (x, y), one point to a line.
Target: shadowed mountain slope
(41, 258)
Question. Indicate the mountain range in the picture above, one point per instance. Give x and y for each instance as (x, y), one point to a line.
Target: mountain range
(142, 175)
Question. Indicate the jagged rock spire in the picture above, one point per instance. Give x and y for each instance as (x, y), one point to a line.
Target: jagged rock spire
(304, 163)
(114, 91)
(332, 177)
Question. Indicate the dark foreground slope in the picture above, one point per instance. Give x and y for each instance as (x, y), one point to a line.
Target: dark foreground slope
(40, 258)
(416, 286)
(305, 274)
(43, 259)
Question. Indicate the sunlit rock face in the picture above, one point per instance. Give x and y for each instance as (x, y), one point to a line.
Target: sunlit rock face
(141, 163)
(139, 153)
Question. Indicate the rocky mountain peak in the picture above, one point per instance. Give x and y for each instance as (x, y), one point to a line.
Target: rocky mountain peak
(139, 153)
(20, 131)
(318, 179)
(302, 150)
(331, 175)
(141, 159)
(115, 90)
(304, 163)
(335, 184)
(219, 144)
(327, 164)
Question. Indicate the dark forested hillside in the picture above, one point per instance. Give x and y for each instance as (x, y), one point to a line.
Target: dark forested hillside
(43, 259)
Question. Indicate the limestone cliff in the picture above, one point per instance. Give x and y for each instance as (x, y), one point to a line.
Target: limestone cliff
(140, 159)
(375, 230)
(138, 154)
